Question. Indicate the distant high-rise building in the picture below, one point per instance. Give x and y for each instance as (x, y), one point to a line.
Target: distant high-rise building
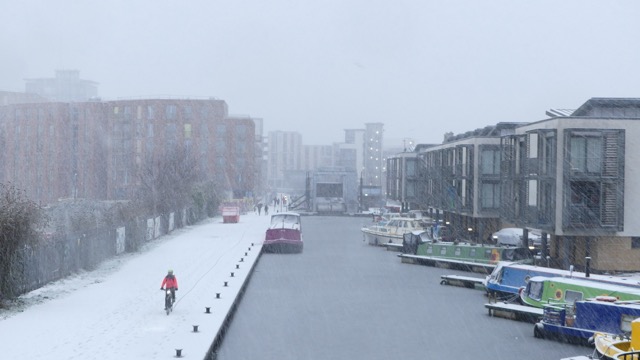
(316, 156)
(373, 158)
(65, 87)
(285, 150)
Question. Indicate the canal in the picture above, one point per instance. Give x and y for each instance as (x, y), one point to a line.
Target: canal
(344, 299)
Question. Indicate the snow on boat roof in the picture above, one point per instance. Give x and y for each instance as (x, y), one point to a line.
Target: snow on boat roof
(631, 280)
(588, 283)
(285, 213)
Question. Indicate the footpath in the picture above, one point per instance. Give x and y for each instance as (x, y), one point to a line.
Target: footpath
(116, 311)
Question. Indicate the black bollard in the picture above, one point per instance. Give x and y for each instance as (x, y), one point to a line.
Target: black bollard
(249, 249)
(241, 259)
(245, 254)
(178, 353)
(225, 283)
(207, 310)
(237, 266)
(231, 274)
(217, 295)
(195, 328)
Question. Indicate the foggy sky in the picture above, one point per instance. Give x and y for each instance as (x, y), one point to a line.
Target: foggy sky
(421, 67)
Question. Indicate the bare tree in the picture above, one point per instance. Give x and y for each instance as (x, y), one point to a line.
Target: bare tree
(20, 220)
(167, 182)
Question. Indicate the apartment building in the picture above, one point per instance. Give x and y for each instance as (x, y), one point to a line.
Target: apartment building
(574, 178)
(571, 177)
(99, 150)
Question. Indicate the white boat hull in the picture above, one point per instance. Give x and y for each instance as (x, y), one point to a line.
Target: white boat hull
(379, 238)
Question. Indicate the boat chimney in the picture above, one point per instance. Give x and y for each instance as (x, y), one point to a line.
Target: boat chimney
(588, 265)
(570, 271)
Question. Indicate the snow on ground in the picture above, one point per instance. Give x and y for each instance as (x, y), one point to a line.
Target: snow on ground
(116, 311)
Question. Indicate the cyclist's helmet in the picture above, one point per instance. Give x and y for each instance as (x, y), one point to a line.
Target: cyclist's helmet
(170, 271)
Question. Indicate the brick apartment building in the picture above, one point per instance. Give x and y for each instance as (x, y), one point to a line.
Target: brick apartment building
(96, 150)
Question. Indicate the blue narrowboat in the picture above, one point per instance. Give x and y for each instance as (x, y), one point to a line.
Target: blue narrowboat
(578, 323)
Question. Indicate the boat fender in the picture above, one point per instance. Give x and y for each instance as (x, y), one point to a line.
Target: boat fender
(606, 298)
(537, 331)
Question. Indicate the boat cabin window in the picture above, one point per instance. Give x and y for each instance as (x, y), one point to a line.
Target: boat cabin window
(443, 250)
(458, 251)
(535, 290)
(472, 253)
(571, 296)
(429, 249)
(286, 219)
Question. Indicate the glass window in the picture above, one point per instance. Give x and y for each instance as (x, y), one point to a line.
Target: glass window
(535, 290)
(533, 193)
(571, 296)
(490, 162)
(411, 168)
(150, 112)
(586, 154)
(490, 195)
(171, 111)
(533, 146)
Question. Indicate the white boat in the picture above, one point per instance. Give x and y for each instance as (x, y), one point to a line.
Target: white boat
(390, 231)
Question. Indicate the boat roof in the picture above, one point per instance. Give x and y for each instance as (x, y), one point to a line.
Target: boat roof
(588, 283)
(577, 274)
(285, 213)
(404, 218)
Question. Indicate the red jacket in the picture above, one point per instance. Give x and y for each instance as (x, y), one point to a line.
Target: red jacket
(170, 281)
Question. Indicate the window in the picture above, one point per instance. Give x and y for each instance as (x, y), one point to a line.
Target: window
(533, 146)
(150, 112)
(490, 162)
(188, 112)
(533, 193)
(635, 242)
(490, 195)
(411, 168)
(171, 111)
(571, 296)
(585, 153)
(187, 131)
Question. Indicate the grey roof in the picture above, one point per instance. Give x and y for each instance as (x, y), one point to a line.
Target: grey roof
(609, 107)
(559, 112)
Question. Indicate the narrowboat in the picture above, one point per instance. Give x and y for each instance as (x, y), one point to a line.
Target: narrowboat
(421, 248)
(579, 323)
(616, 347)
(390, 231)
(284, 233)
(230, 214)
(560, 291)
(508, 277)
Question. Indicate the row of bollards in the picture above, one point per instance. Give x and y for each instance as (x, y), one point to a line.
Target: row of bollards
(207, 309)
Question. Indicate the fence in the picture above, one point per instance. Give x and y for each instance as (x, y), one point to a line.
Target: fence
(64, 253)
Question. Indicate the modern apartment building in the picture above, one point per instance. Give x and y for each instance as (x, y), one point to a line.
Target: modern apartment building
(574, 178)
(570, 177)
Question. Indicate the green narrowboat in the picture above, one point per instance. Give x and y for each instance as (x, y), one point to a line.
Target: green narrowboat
(542, 290)
(419, 247)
